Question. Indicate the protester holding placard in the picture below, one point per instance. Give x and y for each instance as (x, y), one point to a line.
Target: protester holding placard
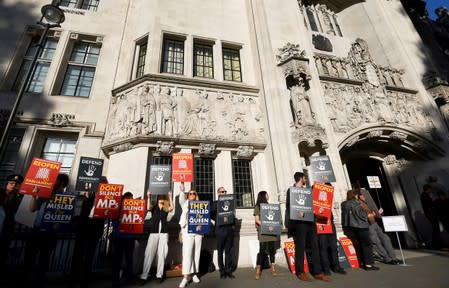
(268, 244)
(158, 239)
(354, 220)
(43, 239)
(303, 229)
(223, 211)
(122, 246)
(191, 246)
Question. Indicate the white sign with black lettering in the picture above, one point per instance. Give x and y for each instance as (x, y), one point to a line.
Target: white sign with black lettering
(394, 223)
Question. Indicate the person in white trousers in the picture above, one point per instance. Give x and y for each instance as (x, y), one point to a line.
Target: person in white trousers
(191, 246)
(158, 239)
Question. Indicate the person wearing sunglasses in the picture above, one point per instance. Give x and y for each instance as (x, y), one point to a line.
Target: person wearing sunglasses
(191, 246)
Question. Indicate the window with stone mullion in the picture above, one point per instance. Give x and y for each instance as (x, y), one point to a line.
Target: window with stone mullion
(61, 150)
(141, 60)
(40, 71)
(231, 65)
(173, 58)
(242, 182)
(204, 180)
(91, 5)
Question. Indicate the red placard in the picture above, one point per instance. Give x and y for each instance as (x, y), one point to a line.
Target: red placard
(323, 226)
(323, 195)
(107, 201)
(131, 217)
(40, 178)
(350, 252)
(289, 248)
(182, 167)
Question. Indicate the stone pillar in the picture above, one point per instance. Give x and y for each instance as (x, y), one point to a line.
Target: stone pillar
(223, 171)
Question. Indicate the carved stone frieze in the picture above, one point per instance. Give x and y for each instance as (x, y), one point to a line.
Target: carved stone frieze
(374, 134)
(61, 119)
(165, 147)
(151, 110)
(206, 149)
(353, 141)
(398, 136)
(392, 160)
(245, 152)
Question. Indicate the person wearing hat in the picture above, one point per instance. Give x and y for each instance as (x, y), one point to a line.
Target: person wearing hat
(10, 205)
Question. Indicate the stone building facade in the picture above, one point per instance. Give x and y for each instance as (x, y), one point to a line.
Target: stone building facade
(253, 88)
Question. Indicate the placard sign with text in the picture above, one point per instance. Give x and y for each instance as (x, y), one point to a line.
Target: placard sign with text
(58, 213)
(182, 167)
(89, 173)
(132, 216)
(350, 252)
(395, 223)
(225, 209)
(199, 217)
(301, 204)
(107, 201)
(321, 169)
(270, 216)
(323, 195)
(160, 179)
(289, 249)
(324, 226)
(40, 178)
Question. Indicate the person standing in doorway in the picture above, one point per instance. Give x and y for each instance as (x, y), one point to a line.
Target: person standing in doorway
(430, 212)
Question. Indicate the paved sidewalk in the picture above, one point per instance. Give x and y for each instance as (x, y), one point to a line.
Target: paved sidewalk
(427, 269)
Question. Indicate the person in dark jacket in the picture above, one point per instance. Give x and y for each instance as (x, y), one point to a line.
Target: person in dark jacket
(354, 220)
(430, 212)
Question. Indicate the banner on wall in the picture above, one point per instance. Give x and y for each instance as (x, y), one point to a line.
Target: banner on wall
(40, 178)
(89, 173)
(132, 216)
(225, 209)
(323, 196)
(199, 217)
(107, 201)
(301, 204)
(270, 216)
(321, 169)
(182, 167)
(160, 179)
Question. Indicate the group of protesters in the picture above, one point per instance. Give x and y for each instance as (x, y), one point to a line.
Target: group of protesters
(359, 221)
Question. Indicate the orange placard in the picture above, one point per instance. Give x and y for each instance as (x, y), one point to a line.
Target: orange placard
(350, 251)
(323, 226)
(323, 195)
(107, 201)
(131, 216)
(289, 249)
(182, 167)
(40, 178)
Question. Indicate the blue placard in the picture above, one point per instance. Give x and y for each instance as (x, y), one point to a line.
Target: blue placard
(58, 213)
(199, 217)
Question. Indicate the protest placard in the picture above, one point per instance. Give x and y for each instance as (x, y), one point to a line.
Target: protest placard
(289, 250)
(324, 226)
(58, 213)
(182, 167)
(160, 179)
(321, 169)
(132, 216)
(301, 204)
(323, 195)
(107, 201)
(225, 209)
(270, 217)
(40, 178)
(89, 173)
(350, 252)
(199, 217)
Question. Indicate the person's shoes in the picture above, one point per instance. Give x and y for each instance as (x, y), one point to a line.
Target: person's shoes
(195, 279)
(398, 262)
(341, 271)
(258, 270)
(273, 270)
(161, 279)
(183, 283)
(371, 268)
(328, 273)
(230, 275)
(322, 277)
(222, 275)
(391, 262)
(141, 282)
(304, 277)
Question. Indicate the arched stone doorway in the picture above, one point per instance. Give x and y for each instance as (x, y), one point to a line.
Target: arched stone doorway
(395, 155)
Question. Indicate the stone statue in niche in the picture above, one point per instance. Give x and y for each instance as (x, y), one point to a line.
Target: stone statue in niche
(301, 105)
(167, 112)
(149, 108)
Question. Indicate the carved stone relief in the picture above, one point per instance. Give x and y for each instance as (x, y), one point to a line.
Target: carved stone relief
(206, 149)
(245, 152)
(293, 62)
(61, 119)
(165, 147)
(152, 110)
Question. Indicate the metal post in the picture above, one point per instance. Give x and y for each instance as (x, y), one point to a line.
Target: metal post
(23, 87)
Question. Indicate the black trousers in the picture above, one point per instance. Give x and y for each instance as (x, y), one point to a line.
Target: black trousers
(225, 242)
(362, 243)
(328, 252)
(122, 247)
(305, 232)
(266, 249)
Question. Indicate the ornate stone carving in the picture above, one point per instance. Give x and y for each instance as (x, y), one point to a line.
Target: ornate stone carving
(293, 62)
(152, 111)
(310, 134)
(398, 136)
(390, 159)
(353, 141)
(122, 147)
(245, 152)
(206, 149)
(61, 119)
(374, 134)
(300, 102)
(165, 147)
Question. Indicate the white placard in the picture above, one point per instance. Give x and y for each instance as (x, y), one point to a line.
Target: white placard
(373, 182)
(394, 223)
